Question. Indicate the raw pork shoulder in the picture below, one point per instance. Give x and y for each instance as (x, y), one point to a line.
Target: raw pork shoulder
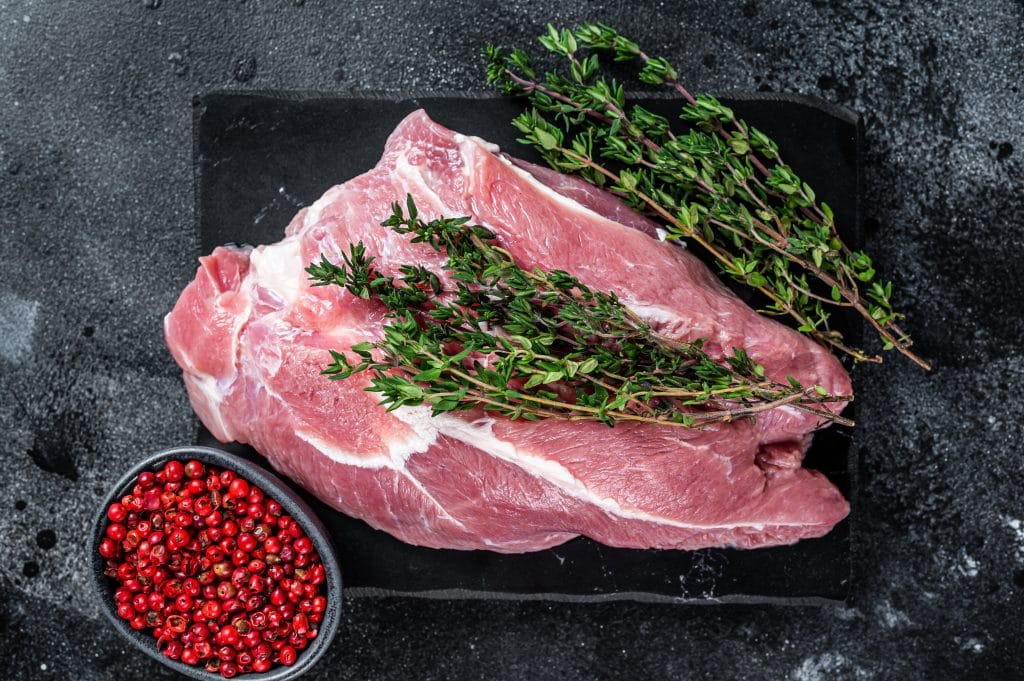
(252, 336)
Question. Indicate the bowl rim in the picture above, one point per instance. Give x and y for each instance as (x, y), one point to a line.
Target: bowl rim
(275, 488)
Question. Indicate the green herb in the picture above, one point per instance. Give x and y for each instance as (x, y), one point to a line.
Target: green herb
(535, 344)
(721, 184)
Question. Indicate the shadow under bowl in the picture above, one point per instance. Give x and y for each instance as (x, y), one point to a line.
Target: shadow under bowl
(275, 489)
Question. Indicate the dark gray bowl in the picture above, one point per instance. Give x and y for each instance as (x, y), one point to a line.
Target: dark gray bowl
(276, 489)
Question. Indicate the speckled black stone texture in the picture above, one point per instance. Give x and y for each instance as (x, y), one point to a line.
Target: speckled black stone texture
(96, 212)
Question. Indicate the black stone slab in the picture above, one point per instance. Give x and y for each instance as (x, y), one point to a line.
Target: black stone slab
(259, 158)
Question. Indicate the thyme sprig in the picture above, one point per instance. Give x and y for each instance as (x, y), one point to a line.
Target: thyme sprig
(535, 344)
(721, 184)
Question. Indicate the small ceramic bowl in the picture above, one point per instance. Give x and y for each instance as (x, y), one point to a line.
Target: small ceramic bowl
(293, 505)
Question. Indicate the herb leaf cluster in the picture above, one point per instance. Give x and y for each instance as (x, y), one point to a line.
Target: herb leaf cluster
(720, 183)
(531, 344)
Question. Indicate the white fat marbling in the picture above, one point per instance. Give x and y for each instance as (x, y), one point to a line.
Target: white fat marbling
(480, 434)
(276, 268)
(212, 392)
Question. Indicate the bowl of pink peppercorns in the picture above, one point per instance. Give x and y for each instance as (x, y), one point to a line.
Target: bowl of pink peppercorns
(214, 566)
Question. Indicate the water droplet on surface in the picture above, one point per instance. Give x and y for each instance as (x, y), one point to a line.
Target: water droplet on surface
(57, 441)
(46, 539)
(151, 4)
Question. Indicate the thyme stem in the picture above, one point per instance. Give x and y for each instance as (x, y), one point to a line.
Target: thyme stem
(723, 184)
(536, 344)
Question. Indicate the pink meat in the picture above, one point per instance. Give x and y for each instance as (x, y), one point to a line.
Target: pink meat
(588, 196)
(251, 338)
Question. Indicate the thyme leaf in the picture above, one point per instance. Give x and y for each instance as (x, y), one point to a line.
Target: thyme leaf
(532, 344)
(720, 183)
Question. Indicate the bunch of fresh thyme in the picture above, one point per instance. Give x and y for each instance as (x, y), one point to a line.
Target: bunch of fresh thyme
(535, 344)
(721, 184)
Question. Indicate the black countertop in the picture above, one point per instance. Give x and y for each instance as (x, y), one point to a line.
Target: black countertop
(96, 211)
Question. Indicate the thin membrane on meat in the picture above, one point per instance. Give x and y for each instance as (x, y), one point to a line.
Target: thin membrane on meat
(251, 337)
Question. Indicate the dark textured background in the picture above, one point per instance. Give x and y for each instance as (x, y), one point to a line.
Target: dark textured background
(96, 218)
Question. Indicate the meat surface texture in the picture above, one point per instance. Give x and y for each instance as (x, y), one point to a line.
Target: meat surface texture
(251, 337)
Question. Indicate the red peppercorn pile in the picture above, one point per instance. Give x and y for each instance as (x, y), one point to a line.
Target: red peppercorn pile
(213, 569)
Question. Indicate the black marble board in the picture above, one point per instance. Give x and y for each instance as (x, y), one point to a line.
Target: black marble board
(260, 157)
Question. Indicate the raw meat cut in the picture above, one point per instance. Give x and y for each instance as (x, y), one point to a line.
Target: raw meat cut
(251, 337)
